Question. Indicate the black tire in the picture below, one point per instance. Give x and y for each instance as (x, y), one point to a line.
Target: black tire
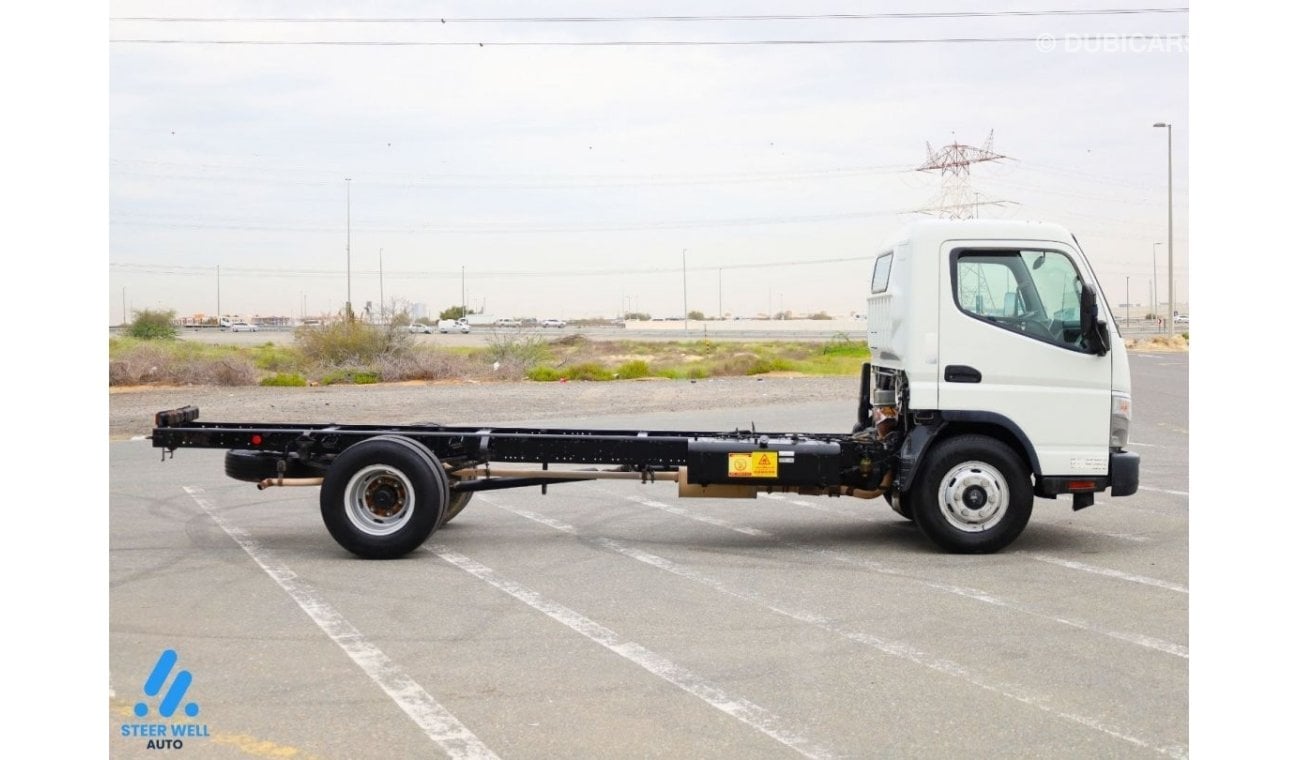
(973, 495)
(457, 504)
(253, 466)
(383, 497)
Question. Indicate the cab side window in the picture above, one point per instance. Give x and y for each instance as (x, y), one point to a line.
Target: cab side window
(1035, 293)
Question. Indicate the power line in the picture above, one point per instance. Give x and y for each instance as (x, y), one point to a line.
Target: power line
(622, 19)
(500, 230)
(242, 173)
(642, 43)
(190, 270)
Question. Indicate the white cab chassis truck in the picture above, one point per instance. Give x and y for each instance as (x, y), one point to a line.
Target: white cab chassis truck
(997, 376)
(997, 357)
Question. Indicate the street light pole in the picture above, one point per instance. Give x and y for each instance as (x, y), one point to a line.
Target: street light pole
(381, 285)
(1128, 301)
(1169, 132)
(348, 180)
(218, 294)
(1155, 282)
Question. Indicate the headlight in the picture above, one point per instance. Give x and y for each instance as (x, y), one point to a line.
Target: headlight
(1121, 414)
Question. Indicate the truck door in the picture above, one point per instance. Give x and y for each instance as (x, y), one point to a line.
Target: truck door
(1010, 344)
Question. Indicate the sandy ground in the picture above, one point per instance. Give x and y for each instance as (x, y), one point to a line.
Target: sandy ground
(131, 410)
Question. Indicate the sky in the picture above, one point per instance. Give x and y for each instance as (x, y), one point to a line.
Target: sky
(547, 176)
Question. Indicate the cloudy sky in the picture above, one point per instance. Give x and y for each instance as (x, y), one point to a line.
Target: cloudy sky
(565, 175)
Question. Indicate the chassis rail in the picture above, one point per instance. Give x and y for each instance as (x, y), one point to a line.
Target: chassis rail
(808, 460)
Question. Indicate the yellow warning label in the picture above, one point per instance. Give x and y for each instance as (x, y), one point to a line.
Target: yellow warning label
(758, 464)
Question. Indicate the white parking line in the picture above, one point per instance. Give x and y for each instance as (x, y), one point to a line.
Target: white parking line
(438, 724)
(741, 709)
(893, 648)
(820, 508)
(1150, 642)
(1163, 490)
(1109, 573)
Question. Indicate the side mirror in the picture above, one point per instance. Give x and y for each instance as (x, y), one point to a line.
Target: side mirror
(1096, 335)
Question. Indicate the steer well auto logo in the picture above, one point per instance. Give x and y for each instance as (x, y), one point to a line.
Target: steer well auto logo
(166, 734)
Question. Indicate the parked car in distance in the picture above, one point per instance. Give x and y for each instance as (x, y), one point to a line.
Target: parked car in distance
(420, 327)
(242, 327)
(556, 323)
(453, 325)
(1181, 318)
(507, 323)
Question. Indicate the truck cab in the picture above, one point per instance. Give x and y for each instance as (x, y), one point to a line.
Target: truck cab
(996, 355)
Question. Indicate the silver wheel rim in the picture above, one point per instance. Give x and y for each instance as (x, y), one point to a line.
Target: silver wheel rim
(380, 500)
(973, 496)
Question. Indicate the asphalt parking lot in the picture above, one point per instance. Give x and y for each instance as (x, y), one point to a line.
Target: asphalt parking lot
(614, 620)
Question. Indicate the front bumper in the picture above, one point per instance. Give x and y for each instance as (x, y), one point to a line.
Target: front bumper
(1123, 473)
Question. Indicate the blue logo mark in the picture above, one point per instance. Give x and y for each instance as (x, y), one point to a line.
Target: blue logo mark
(174, 694)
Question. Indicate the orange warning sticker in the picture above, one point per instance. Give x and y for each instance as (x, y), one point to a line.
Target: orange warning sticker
(758, 464)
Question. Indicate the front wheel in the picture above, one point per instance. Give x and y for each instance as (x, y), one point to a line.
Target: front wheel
(974, 495)
(901, 503)
(383, 497)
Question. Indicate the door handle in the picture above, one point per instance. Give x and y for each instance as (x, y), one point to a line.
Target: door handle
(960, 373)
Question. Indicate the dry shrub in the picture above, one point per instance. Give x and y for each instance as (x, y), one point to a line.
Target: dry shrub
(575, 340)
(514, 353)
(154, 365)
(227, 370)
(427, 365)
(138, 366)
(351, 343)
(1158, 343)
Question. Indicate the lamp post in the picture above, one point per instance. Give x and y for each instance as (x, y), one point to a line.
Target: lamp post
(1169, 132)
(1155, 282)
(348, 180)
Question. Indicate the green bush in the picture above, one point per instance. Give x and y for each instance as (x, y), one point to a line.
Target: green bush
(350, 377)
(544, 374)
(588, 371)
(152, 325)
(698, 372)
(765, 365)
(284, 380)
(274, 358)
(350, 343)
(633, 369)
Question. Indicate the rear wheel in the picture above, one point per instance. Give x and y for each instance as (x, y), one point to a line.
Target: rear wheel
(459, 499)
(974, 495)
(383, 497)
